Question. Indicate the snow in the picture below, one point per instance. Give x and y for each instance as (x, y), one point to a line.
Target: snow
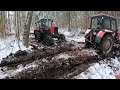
(20, 68)
(65, 56)
(106, 69)
(72, 36)
(10, 45)
(102, 70)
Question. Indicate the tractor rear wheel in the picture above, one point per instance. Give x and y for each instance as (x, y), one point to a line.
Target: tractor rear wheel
(48, 40)
(106, 44)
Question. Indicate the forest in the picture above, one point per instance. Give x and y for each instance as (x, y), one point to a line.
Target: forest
(22, 57)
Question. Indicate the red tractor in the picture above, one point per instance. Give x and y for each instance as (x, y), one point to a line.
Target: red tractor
(45, 32)
(103, 33)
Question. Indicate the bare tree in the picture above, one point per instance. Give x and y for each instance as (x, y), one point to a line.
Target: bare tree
(27, 28)
(69, 21)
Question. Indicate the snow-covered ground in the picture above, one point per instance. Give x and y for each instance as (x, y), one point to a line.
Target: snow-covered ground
(10, 45)
(72, 36)
(11, 73)
(101, 70)
(106, 69)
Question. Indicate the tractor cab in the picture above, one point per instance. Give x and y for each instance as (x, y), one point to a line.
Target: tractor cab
(102, 33)
(44, 23)
(103, 22)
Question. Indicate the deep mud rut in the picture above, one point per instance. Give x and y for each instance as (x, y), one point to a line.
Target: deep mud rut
(62, 61)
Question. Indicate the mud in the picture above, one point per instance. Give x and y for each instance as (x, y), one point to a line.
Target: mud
(61, 61)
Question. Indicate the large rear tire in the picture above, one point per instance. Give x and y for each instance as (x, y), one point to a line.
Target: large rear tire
(48, 40)
(106, 44)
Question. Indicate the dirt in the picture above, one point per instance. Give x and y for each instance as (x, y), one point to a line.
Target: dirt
(60, 61)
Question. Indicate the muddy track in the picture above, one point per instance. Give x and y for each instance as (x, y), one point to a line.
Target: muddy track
(22, 56)
(62, 61)
(58, 66)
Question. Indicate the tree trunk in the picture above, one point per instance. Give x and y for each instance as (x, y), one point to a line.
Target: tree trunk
(27, 28)
(3, 23)
(69, 21)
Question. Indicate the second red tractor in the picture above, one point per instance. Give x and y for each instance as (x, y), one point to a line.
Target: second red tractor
(45, 32)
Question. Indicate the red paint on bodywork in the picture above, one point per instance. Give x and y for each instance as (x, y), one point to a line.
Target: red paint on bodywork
(52, 30)
(117, 76)
(46, 28)
(37, 29)
(101, 34)
(118, 36)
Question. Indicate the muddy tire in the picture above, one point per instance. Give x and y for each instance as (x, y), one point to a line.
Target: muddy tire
(48, 40)
(61, 37)
(38, 36)
(106, 44)
(87, 44)
(35, 34)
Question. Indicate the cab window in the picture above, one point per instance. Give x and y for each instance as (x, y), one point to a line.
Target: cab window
(106, 23)
(113, 25)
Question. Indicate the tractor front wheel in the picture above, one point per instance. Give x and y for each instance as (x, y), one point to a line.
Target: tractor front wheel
(48, 40)
(87, 44)
(61, 37)
(106, 44)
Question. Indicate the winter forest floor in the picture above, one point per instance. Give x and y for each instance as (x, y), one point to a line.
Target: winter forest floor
(65, 60)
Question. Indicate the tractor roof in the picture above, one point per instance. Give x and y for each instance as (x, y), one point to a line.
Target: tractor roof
(104, 15)
(43, 19)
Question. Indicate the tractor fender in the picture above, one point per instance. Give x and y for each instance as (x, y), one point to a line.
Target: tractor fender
(101, 34)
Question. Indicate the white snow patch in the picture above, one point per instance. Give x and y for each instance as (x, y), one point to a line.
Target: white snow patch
(77, 38)
(10, 45)
(11, 73)
(62, 56)
(102, 70)
(72, 36)
(65, 56)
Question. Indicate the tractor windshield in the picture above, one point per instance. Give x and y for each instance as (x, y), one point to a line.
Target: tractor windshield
(96, 23)
(46, 22)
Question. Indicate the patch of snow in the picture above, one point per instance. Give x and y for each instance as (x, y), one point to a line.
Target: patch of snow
(10, 45)
(102, 70)
(71, 36)
(61, 56)
(77, 38)
(11, 73)
(65, 56)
